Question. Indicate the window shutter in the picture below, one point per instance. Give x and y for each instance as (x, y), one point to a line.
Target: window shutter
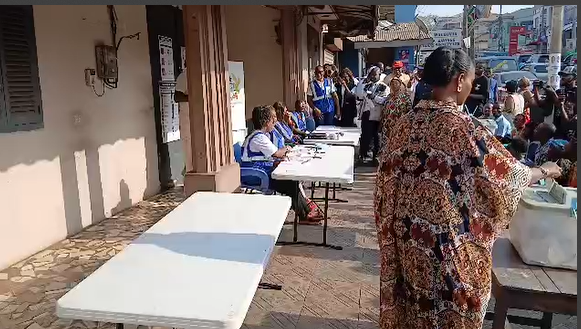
(20, 100)
(329, 57)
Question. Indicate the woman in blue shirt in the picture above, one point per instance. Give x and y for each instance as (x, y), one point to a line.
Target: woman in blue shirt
(259, 151)
(284, 125)
(303, 116)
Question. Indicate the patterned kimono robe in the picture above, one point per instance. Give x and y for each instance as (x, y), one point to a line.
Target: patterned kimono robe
(446, 189)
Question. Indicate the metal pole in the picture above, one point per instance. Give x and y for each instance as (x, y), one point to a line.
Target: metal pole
(500, 31)
(465, 25)
(472, 50)
(556, 46)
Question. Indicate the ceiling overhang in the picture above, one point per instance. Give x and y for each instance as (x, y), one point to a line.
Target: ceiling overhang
(347, 20)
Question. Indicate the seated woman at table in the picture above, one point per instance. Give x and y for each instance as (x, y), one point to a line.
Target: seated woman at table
(299, 116)
(259, 151)
(285, 125)
(302, 116)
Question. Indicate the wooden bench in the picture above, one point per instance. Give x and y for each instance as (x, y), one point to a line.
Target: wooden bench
(198, 267)
(521, 286)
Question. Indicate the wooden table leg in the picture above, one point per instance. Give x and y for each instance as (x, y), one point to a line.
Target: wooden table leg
(547, 320)
(500, 311)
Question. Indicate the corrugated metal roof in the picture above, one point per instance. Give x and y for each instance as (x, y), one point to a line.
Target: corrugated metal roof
(395, 32)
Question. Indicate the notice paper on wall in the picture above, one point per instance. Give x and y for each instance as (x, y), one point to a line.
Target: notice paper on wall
(170, 118)
(166, 58)
(237, 101)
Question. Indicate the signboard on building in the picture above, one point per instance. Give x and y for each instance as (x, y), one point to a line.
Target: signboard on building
(448, 38)
(515, 32)
(570, 44)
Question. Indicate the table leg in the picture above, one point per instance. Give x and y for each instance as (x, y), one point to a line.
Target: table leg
(500, 311)
(296, 228)
(345, 188)
(334, 195)
(546, 321)
(334, 198)
(326, 213)
(325, 225)
(269, 286)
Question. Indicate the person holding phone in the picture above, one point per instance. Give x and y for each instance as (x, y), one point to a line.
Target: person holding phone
(347, 100)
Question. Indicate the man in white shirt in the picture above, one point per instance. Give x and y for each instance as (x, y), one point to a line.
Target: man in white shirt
(382, 70)
(181, 97)
(373, 94)
(503, 126)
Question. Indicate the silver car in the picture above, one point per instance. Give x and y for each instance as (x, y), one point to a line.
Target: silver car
(503, 77)
(539, 69)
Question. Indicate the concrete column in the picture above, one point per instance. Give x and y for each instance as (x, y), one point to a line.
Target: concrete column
(289, 57)
(212, 162)
(303, 57)
(556, 46)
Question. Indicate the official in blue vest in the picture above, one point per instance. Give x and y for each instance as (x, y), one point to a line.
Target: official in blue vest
(322, 97)
(259, 151)
(303, 116)
(285, 125)
(299, 116)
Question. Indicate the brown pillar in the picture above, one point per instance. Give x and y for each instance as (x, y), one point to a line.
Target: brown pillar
(289, 57)
(210, 126)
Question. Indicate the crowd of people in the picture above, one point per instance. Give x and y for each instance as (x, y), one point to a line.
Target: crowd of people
(447, 184)
(537, 123)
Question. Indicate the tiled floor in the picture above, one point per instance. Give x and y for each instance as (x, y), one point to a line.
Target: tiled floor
(321, 288)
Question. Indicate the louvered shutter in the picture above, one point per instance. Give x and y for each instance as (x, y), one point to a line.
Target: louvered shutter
(20, 100)
(329, 57)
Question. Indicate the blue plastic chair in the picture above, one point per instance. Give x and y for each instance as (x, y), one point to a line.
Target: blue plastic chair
(252, 179)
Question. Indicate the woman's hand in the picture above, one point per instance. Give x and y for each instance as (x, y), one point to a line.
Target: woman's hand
(317, 113)
(552, 169)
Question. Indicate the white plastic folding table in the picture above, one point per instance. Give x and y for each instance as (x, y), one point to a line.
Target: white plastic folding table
(333, 165)
(198, 267)
(350, 136)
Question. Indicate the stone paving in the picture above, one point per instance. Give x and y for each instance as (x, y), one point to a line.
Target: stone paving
(322, 289)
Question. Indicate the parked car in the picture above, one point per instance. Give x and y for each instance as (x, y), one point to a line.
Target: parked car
(538, 58)
(569, 59)
(499, 63)
(503, 77)
(522, 59)
(539, 69)
(570, 69)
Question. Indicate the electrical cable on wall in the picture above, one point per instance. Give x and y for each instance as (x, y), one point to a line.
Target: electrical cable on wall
(102, 88)
(113, 83)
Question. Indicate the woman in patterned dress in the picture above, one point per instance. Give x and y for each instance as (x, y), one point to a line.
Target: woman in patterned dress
(446, 188)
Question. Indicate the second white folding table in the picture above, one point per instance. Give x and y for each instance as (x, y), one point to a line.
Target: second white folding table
(348, 136)
(331, 165)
